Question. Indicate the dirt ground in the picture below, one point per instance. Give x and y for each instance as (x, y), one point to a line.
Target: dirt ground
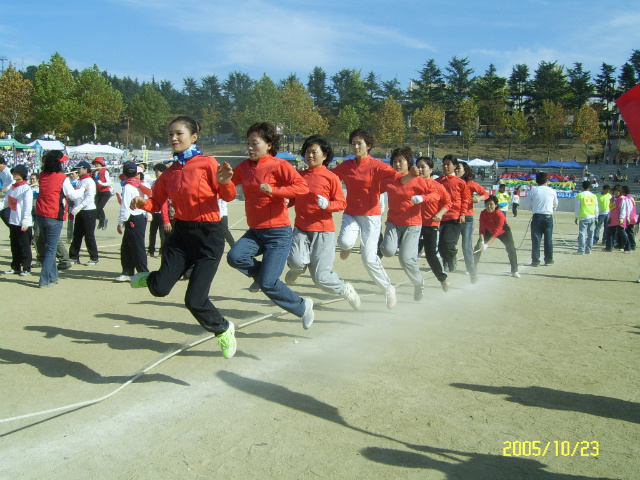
(530, 378)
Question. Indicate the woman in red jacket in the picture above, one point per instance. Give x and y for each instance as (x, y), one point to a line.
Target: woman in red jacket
(475, 192)
(193, 183)
(314, 237)
(493, 224)
(404, 218)
(267, 183)
(362, 176)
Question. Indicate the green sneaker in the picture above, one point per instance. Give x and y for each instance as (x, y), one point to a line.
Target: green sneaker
(227, 341)
(139, 280)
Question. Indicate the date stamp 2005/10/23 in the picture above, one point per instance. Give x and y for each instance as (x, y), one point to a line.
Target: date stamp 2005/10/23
(558, 448)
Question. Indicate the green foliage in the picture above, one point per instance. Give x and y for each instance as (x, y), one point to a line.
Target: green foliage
(149, 113)
(97, 101)
(388, 123)
(54, 104)
(16, 95)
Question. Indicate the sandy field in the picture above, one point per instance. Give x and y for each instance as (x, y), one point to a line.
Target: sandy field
(529, 378)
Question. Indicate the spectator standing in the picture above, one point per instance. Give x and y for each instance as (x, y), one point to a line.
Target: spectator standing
(586, 210)
(544, 201)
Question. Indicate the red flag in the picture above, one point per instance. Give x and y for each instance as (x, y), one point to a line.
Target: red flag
(629, 106)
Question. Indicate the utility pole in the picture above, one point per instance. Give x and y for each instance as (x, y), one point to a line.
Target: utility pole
(3, 59)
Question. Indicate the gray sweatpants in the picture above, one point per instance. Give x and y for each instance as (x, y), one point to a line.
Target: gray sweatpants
(407, 237)
(317, 250)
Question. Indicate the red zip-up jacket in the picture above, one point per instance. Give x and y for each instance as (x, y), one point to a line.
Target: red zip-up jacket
(268, 211)
(457, 189)
(401, 211)
(493, 223)
(309, 216)
(430, 209)
(363, 184)
(472, 188)
(193, 190)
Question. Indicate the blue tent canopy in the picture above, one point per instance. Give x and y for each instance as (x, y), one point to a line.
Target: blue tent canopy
(556, 164)
(518, 163)
(286, 156)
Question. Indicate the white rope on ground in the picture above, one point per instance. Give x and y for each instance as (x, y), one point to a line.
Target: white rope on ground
(152, 366)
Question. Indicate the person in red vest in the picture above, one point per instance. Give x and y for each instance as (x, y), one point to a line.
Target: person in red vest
(50, 211)
(103, 190)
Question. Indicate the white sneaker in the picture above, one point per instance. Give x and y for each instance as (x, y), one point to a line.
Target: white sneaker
(350, 295)
(123, 278)
(10, 272)
(25, 273)
(291, 277)
(638, 280)
(516, 274)
(307, 317)
(390, 296)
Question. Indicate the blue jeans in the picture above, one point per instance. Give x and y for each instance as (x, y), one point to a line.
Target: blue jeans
(585, 234)
(274, 245)
(50, 229)
(602, 221)
(467, 249)
(541, 225)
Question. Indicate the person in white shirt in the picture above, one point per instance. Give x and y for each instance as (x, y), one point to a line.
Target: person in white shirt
(19, 200)
(543, 200)
(6, 180)
(85, 215)
(132, 225)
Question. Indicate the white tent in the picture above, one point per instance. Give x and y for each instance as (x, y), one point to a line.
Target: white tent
(89, 149)
(478, 162)
(47, 144)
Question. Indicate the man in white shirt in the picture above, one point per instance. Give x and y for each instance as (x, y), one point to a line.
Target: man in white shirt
(543, 200)
(85, 215)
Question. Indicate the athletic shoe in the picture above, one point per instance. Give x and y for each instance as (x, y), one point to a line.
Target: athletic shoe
(254, 287)
(92, 263)
(47, 285)
(344, 254)
(578, 253)
(227, 341)
(638, 280)
(626, 251)
(25, 273)
(445, 285)
(418, 292)
(123, 278)
(307, 317)
(291, 277)
(515, 275)
(73, 261)
(106, 222)
(350, 295)
(473, 277)
(607, 250)
(546, 264)
(390, 296)
(588, 253)
(139, 280)
(534, 264)
(10, 272)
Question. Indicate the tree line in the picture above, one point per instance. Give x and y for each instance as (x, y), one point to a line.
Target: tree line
(543, 105)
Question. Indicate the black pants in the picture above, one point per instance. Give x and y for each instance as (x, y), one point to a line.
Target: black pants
(429, 240)
(507, 240)
(157, 226)
(20, 248)
(101, 200)
(514, 208)
(84, 227)
(197, 245)
(447, 246)
(132, 255)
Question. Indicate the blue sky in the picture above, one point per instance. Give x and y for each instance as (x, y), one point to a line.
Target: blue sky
(171, 39)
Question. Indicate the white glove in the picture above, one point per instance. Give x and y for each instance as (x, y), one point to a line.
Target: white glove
(75, 211)
(323, 203)
(24, 225)
(417, 199)
(485, 246)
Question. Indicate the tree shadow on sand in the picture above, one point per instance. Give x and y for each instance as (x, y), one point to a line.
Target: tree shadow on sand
(455, 464)
(549, 398)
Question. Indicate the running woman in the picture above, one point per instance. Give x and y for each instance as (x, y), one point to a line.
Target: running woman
(193, 183)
